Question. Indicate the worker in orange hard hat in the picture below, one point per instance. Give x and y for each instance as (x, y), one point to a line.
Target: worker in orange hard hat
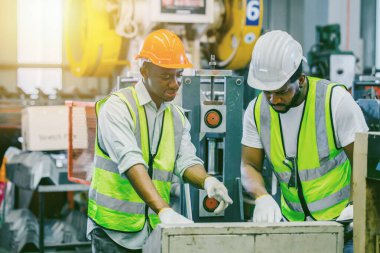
(142, 140)
(163, 48)
(162, 54)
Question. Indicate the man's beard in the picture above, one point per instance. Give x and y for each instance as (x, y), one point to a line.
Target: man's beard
(290, 105)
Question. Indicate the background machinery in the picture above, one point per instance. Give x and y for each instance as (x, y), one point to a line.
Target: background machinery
(327, 60)
(103, 36)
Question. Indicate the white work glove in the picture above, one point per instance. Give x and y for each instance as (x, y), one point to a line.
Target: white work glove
(216, 189)
(347, 214)
(266, 210)
(346, 218)
(169, 216)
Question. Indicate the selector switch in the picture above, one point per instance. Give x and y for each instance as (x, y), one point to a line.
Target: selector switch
(213, 118)
(210, 204)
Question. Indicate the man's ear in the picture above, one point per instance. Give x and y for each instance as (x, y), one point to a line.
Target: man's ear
(144, 71)
(301, 80)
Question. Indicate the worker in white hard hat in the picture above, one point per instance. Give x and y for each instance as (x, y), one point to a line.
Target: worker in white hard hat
(305, 126)
(142, 140)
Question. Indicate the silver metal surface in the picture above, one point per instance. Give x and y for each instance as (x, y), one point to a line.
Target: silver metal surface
(189, 213)
(369, 79)
(222, 127)
(211, 156)
(63, 188)
(202, 211)
(342, 69)
(213, 72)
(295, 237)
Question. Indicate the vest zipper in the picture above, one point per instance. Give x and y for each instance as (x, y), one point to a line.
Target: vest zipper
(304, 206)
(295, 182)
(151, 160)
(298, 184)
(150, 173)
(150, 170)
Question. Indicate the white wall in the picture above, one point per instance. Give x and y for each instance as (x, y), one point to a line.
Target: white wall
(300, 17)
(347, 13)
(297, 17)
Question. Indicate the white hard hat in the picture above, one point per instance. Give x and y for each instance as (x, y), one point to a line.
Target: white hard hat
(275, 58)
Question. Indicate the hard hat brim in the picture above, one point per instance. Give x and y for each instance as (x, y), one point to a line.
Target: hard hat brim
(167, 66)
(267, 86)
(175, 66)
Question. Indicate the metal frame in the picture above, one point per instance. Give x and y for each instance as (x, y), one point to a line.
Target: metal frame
(158, 16)
(361, 82)
(233, 88)
(42, 189)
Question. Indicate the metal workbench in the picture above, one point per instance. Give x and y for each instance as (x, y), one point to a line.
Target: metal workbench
(248, 237)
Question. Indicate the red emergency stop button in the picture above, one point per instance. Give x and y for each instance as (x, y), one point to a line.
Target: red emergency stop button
(213, 118)
(210, 204)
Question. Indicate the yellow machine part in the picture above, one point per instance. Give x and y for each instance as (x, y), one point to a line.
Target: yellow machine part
(92, 45)
(241, 28)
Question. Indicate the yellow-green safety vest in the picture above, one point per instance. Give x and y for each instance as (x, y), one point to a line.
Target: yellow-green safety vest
(113, 202)
(316, 182)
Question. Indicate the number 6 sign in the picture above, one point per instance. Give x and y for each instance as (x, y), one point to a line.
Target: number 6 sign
(252, 12)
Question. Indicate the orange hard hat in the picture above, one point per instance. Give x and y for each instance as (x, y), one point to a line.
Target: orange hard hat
(163, 48)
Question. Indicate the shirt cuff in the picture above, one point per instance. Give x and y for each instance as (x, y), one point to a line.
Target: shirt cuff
(251, 145)
(128, 161)
(185, 167)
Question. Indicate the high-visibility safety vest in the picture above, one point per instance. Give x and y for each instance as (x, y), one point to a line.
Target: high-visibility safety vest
(316, 182)
(113, 202)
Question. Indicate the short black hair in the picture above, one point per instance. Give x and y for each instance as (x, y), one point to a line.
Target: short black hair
(296, 74)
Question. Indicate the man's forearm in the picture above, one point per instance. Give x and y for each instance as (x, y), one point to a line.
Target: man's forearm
(195, 175)
(253, 181)
(143, 185)
(349, 150)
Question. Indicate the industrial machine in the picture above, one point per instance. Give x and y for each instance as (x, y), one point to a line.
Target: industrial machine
(366, 87)
(327, 61)
(366, 192)
(366, 168)
(103, 36)
(366, 91)
(214, 100)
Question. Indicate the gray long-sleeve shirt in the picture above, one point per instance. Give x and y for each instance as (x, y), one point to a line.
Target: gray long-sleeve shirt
(116, 137)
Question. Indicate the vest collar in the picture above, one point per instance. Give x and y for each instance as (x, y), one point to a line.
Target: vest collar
(144, 97)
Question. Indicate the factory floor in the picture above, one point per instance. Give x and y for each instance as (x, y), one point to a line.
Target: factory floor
(78, 250)
(63, 251)
(30, 248)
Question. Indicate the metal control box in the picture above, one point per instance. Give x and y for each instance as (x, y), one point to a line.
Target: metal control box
(295, 237)
(373, 160)
(217, 115)
(203, 210)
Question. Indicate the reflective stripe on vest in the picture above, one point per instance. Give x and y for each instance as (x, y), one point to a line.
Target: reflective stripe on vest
(323, 169)
(113, 202)
(322, 204)
(109, 165)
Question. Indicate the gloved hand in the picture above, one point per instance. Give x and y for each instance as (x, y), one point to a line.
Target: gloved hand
(216, 189)
(347, 214)
(266, 210)
(169, 216)
(346, 218)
